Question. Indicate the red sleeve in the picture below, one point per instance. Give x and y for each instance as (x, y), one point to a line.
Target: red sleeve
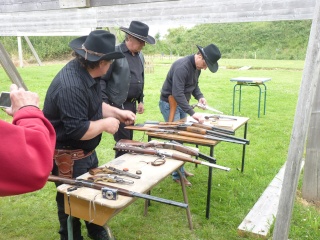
(26, 152)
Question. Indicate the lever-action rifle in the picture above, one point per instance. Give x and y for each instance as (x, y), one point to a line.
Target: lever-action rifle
(121, 191)
(161, 153)
(198, 125)
(189, 128)
(169, 145)
(183, 133)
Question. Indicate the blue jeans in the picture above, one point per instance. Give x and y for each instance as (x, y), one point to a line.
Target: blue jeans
(179, 114)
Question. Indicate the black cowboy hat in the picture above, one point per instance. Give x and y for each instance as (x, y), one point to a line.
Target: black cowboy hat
(139, 30)
(211, 55)
(98, 45)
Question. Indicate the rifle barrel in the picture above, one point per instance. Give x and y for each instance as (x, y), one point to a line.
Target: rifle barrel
(121, 191)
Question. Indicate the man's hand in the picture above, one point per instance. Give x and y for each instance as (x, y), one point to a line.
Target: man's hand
(127, 117)
(111, 125)
(202, 101)
(199, 117)
(140, 109)
(20, 98)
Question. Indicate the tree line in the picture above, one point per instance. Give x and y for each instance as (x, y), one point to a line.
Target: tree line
(261, 40)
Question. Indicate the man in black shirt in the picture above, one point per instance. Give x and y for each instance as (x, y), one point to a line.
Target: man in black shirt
(123, 84)
(182, 82)
(74, 106)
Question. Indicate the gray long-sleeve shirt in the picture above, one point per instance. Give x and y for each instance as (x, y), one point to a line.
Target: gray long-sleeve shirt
(182, 81)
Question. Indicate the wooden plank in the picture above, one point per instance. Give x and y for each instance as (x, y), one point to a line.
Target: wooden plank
(311, 177)
(261, 216)
(309, 84)
(74, 3)
(32, 22)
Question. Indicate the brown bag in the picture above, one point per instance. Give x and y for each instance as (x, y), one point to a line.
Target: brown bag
(65, 163)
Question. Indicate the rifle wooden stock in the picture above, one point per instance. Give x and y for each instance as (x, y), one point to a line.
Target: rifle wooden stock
(121, 191)
(167, 154)
(169, 145)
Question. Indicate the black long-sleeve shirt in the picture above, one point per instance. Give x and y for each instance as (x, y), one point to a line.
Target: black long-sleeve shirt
(182, 82)
(72, 101)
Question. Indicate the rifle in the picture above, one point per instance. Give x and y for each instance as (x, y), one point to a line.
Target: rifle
(198, 125)
(160, 153)
(169, 145)
(112, 170)
(189, 128)
(121, 191)
(189, 132)
(217, 116)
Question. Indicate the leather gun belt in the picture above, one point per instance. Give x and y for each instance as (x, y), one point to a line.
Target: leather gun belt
(64, 159)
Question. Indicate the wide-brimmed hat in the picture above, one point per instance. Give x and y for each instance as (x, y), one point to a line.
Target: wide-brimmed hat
(98, 45)
(139, 30)
(211, 55)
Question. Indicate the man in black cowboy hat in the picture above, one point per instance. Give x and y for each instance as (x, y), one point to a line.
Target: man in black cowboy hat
(74, 106)
(182, 82)
(123, 84)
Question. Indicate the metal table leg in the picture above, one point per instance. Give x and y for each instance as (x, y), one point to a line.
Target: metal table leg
(70, 227)
(209, 187)
(244, 146)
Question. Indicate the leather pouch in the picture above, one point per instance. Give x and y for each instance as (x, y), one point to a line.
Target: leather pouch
(65, 163)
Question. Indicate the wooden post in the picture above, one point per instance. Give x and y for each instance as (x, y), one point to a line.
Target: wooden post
(309, 84)
(33, 50)
(20, 51)
(10, 69)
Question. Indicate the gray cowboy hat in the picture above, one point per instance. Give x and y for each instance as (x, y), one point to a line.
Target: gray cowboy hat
(211, 55)
(98, 45)
(139, 30)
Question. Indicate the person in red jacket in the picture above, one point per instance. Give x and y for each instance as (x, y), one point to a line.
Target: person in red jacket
(26, 145)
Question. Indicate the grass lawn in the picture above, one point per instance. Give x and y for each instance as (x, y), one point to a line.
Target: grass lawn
(33, 216)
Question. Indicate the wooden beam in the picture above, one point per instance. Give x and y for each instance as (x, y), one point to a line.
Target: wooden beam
(50, 22)
(34, 52)
(20, 51)
(10, 69)
(262, 215)
(310, 79)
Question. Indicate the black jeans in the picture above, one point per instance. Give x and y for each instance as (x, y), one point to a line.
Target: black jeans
(80, 167)
(122, 132)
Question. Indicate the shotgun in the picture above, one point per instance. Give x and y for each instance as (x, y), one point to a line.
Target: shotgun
(161, 153)
(169, 145)
(121, 191)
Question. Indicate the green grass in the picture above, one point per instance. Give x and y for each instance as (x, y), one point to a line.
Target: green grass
(33, 216)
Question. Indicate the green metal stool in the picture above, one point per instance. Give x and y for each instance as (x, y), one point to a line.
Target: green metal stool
(250, 81)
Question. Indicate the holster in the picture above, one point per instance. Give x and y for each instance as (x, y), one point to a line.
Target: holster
(64, 160)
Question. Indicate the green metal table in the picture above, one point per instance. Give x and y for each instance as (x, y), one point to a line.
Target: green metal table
(250, 81)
